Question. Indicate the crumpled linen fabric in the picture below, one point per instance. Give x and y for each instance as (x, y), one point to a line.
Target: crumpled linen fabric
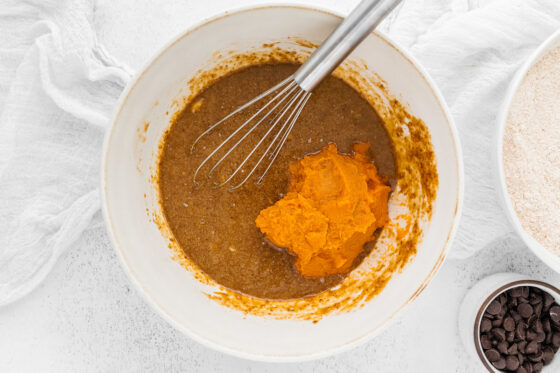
(58, 88)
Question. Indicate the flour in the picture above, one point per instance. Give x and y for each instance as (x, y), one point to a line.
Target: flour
(531, 152)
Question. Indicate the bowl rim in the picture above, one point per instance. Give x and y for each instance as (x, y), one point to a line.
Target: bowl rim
(368, 335)
(552, 260)
(490, 298)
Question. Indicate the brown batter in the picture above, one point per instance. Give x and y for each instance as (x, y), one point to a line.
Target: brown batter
(215, 227)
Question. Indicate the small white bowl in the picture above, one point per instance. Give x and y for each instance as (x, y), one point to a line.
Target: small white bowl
(552, 260)
(127, 190)
(477, 300)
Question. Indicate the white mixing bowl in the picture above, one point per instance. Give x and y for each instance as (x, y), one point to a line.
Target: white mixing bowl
(127, 190)
(552, 260)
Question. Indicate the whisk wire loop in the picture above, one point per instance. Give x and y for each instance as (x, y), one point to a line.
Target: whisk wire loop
(263, 155)
(300, 106)
(241, 108)
(247, 134)
(291, 84)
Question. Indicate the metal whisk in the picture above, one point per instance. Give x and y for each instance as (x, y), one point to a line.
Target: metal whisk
(285, 101)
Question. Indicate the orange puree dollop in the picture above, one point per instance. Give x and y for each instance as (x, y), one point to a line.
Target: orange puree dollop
(333, 205)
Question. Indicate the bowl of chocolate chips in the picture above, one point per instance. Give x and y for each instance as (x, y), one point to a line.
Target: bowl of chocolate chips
(512, 324)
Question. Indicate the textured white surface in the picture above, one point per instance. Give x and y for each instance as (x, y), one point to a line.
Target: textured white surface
(86, 316)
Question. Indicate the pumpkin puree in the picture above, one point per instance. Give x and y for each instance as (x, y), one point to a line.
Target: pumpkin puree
(333, 206)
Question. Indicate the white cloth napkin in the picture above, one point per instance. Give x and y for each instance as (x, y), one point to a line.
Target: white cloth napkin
(57, 91)
(58, 88)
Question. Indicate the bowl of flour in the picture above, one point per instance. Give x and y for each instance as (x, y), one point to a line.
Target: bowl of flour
(528, 152)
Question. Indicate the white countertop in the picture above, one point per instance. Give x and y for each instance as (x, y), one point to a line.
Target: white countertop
(87, 317)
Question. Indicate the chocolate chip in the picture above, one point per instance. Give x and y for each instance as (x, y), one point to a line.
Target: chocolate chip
(528, 366)
(516, 316)
(499, 333)
(531, 321)
(538, 309)
(509, 324)
(521, 358)
(521, 370)
(485, 325)
(512, 350)
(535, 299)
(538, 326)
(510, 336)
(512, 363)
(497, 323)
(488, 316)
(515, 292)
(556, 339)
(548, 300)
(502, 298)
(531, 335)
(537, 367)
(555, 314)
(535, 358)
(500, 363)
(525, 291)
(548, 355)
(495, 307)
(526, 310)
(546, 325)
(541, 336)
(492, 355)
(532, 347)
(521, 330)
(503, 347)
(522, 300)
(485, 342)
(521, 346)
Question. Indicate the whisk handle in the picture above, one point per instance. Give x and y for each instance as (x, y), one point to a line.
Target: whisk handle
(342, 41)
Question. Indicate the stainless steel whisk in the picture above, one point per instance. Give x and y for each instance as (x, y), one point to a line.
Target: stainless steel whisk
(288, 98)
